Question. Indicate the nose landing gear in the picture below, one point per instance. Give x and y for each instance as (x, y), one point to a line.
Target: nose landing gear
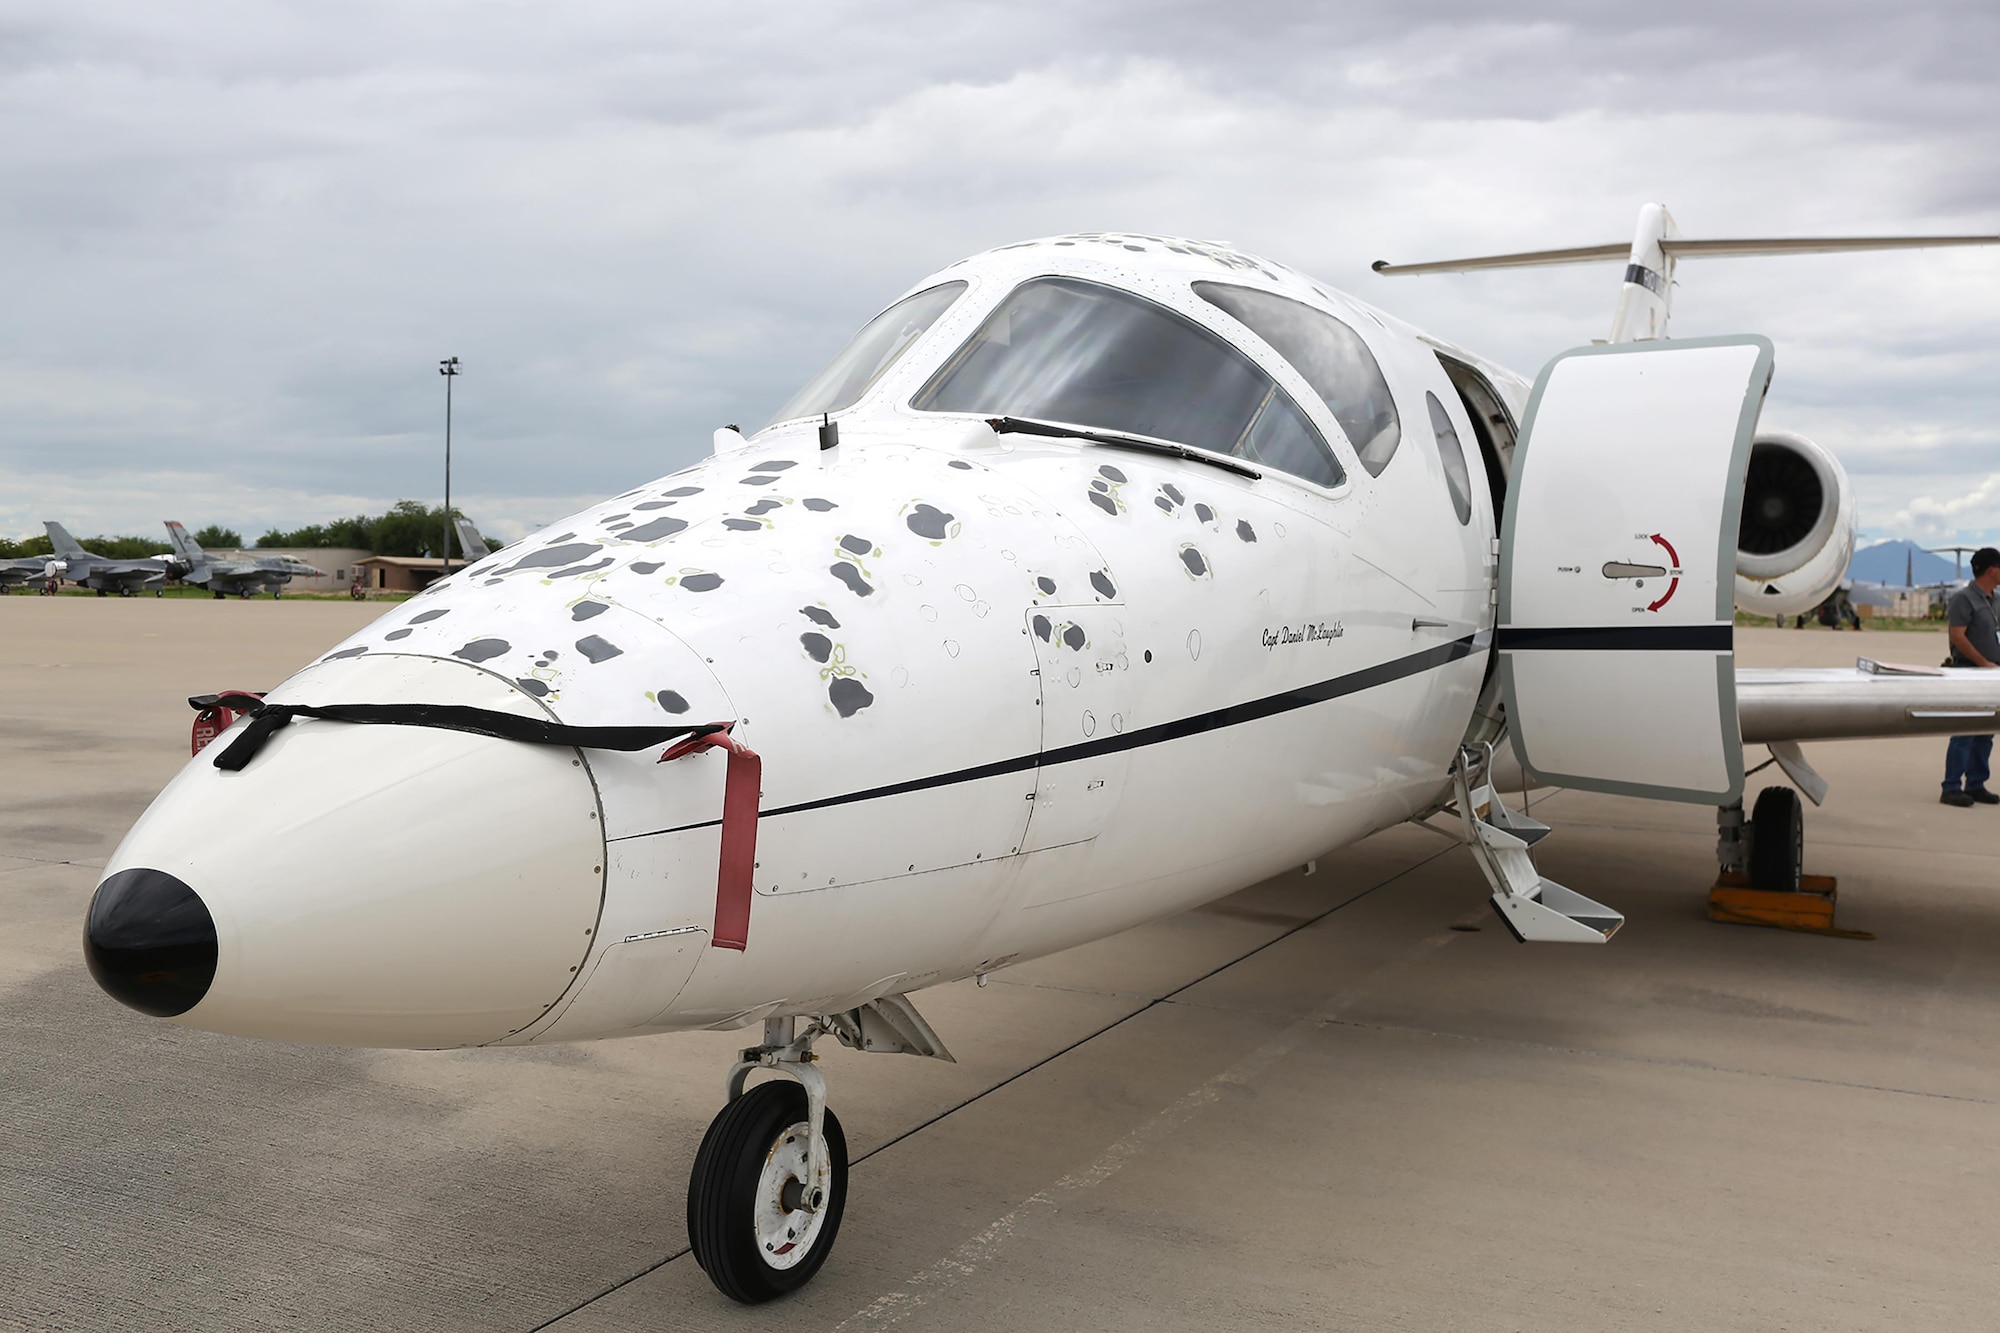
(770, 1179)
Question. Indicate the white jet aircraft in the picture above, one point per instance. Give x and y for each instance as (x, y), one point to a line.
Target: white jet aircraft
(1099, 577)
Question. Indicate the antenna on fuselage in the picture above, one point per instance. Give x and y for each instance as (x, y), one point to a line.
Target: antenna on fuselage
(829, 431)
(1645, 300)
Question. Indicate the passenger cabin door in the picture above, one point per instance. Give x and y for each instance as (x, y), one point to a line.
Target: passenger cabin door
(1616, 626)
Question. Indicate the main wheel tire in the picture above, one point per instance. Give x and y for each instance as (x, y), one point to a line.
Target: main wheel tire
(1777, 840)
(751, 1164)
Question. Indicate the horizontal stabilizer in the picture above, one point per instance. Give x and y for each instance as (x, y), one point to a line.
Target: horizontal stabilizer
(1677, 248)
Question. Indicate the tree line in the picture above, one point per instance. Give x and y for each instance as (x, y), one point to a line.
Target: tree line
(409, 528)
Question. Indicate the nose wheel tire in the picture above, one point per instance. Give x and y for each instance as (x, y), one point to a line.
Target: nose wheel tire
(758, 1226)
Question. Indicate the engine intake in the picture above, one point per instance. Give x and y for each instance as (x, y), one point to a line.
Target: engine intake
(1796, 535)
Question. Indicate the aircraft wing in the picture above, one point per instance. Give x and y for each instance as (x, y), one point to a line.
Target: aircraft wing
(1868, 699)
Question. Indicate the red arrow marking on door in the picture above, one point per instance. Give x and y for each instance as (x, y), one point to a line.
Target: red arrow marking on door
(1674, 559)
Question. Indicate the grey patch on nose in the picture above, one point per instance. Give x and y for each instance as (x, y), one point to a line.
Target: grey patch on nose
(535, 687)
(1099, 484)
(658, 528)
(817, 505)
(682, 491)
(929, 522)
(344, 652)
(551, 556)
(1047, 585)
(422, 616)
(773, 465)
(1073, 638)
(1105, 587)
(858, 545)
(851, 576)
(817, 646)
(1193, 559)
(399, 633)
(655, 504)
(596, 649)
(1111, 472)
(645, 566)
(1166, 505)
(742, 524)
(616, 527)
(701, 582)
(960, 464)
(487, 583)
(613, 518)
(1104, 502)
(481, 649)
(1245, 531)
(1043, 628)
(764, 479)
(566, 536)
(1174, 493)
(672, 702)
(1204, 513)
(848, 695)
(606, 562)
(585, 610)
(819, 615)
(765, 506)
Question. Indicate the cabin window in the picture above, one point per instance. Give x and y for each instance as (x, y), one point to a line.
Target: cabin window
(871, 352)
(1330, 357)
(1452, 455)
(1082, 354)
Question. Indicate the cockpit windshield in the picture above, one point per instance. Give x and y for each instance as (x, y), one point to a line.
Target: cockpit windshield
(1060, 349)
(1330, 357)
(871, 352)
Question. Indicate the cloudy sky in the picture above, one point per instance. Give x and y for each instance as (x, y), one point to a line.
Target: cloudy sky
(235, 238)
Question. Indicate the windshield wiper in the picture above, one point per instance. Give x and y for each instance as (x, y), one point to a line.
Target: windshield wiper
(1112, 440)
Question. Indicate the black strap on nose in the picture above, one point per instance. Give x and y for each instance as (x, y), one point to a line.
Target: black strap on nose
(266, 718)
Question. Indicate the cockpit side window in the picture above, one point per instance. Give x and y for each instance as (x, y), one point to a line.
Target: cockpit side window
(1079, 353)
(1452, 454)
(1330, 357)
(871, 352)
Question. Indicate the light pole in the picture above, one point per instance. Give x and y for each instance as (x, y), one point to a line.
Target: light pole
(449, 369)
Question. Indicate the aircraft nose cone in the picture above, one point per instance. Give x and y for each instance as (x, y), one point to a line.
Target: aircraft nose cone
(150, 942)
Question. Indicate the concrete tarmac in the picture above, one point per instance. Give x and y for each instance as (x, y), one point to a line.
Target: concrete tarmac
(1346, 1100)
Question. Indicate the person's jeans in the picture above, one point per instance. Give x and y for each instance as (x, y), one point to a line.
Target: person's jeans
(1968, 759)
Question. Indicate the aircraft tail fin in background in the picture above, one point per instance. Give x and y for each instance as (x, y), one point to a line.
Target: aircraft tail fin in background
(1645, 300)
(469, 540)
(59, 538)
(184, 545)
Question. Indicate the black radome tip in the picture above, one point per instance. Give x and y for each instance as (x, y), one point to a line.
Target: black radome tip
(150, 942)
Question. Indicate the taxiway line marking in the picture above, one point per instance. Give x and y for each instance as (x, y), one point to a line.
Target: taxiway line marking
(968, 1259)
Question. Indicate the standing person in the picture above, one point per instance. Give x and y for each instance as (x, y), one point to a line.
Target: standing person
(1975, 642)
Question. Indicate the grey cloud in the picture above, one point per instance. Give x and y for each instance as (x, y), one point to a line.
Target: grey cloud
(241, 238)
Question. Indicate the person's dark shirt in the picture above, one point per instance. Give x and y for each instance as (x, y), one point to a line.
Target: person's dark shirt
(1972, 610)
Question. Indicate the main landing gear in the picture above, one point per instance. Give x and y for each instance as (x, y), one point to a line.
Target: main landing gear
(770, 1179)
(1760, 878)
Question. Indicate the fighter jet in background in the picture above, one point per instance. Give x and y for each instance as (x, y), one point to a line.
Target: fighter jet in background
(193, 565)
(87, 569)
(28, 570)
(470, 543)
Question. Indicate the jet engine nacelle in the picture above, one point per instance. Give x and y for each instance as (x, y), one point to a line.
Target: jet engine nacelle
(1796, 536)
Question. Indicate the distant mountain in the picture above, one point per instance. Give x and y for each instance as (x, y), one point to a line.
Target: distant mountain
(1887, 561)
